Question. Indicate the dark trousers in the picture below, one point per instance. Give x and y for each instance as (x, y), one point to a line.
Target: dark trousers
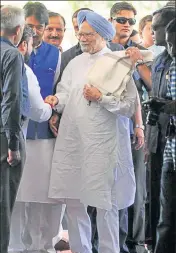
(92, 212)
(123, 230)
(166, 229)
(155, 165)
(10, 179)
(136, 213)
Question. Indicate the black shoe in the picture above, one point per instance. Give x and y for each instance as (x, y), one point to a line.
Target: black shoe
(62, 245)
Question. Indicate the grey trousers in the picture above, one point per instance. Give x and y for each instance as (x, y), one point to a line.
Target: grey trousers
(10, 179)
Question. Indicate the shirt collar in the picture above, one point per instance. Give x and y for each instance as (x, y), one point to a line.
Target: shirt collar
(128, 44)
(7, 41)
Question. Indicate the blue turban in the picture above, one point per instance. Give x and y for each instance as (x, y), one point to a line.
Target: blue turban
(102, 26)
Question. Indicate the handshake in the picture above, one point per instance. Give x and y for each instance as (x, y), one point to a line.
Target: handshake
(52, 100)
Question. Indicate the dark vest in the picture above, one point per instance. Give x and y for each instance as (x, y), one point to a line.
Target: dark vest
(43, 64)
(160, 70)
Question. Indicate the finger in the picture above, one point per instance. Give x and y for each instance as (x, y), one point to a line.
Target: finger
(54, 131)
(139, 144)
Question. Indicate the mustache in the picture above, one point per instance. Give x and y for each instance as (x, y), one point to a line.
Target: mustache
(54, 37)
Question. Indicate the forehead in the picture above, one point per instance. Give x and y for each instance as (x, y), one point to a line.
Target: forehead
(125, 13)
(85, 27)
(32, 20)
(148, 24)
(157, 19)
(56, 21)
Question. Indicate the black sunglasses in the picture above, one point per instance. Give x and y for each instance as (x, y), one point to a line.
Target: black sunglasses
(123, 20)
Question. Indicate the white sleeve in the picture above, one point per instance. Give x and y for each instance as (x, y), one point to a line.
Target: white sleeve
(126, 106)
(57, 73)
(63, 89)
(39, 110)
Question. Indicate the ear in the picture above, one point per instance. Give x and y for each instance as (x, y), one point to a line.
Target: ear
(17, 30)
(23, 46)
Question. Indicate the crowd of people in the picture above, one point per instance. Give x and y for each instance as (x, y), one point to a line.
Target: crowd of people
(97, 159)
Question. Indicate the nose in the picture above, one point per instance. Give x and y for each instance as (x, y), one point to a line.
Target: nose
(54, 33)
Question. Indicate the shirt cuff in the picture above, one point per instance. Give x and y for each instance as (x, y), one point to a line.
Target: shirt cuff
(108, 100)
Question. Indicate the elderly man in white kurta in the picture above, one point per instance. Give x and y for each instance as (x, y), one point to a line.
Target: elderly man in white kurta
(92, 162)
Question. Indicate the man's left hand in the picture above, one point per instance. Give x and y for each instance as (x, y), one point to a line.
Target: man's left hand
(138, 138)
(91, 93)
(134, 54)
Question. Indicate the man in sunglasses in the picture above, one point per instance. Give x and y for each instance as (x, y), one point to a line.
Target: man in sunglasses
(122, 16)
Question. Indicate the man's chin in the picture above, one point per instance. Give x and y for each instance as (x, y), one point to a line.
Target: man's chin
(125, 35)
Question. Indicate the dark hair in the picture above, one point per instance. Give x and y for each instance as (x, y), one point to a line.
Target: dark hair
(143, 22)
(120, 6)
(170, 28)
(166, 14)
(55, 14)
(38, 10)
(27, 34)
(75, 14)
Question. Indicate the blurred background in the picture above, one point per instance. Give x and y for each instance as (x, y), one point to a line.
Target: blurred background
(67, 8)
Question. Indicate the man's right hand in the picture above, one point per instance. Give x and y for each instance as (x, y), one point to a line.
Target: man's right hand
(52, 100)
(13, 158)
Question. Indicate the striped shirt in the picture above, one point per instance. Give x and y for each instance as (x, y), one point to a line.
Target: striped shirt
(170, 148)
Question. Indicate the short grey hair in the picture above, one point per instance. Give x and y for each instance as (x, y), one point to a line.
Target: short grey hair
(11, 17)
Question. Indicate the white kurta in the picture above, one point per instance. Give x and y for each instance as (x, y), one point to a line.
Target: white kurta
(89, 152)
(35, 179)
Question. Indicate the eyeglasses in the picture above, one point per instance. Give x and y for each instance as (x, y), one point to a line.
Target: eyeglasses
(37, 27)
(123, 20)
(85, 35)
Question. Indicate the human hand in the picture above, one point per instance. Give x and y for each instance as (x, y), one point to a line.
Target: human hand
(13, 158)
(91, 93)
(54, 124)
(52, 100)
(138, 138)
(134, 54)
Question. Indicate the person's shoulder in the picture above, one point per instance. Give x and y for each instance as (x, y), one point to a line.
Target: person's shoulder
(115, 46)
(11, 54)
(72, 52)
